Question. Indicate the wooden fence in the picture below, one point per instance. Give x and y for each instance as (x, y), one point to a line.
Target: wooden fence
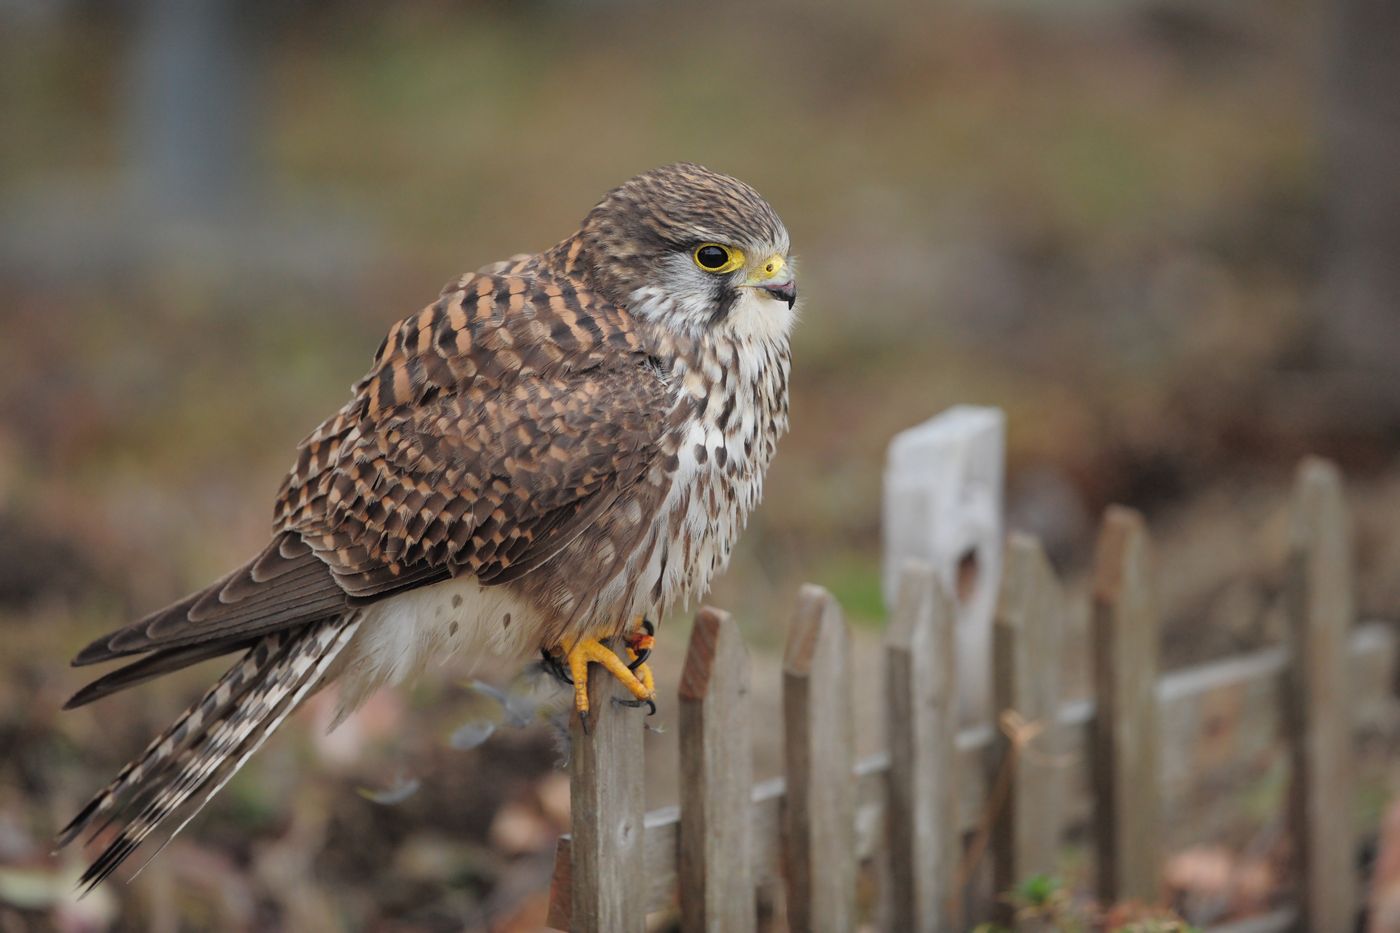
(908, 810)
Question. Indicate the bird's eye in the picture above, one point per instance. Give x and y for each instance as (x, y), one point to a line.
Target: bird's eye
(712, 257)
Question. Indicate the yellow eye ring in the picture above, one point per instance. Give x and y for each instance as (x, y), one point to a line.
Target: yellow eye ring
(717, 258)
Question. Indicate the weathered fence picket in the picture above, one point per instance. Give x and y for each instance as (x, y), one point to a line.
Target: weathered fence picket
(1134, 737)
(716, 756)
(923, 838)
(1125, 643)
(1251, 684)
(1025, 768)
(608, 798)
(944, 505)
(819, 748)
(1317, 701)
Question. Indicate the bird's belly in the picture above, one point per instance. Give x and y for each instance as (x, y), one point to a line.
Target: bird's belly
(402, 634)
(700, 522)
(715, 514)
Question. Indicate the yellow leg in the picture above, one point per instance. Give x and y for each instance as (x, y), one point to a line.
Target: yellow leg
(579, 654)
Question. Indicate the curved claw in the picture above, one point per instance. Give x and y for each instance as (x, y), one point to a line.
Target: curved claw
(633, 704)
(641, 646)
(554, 667)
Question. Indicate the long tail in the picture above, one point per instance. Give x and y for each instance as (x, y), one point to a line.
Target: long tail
(210, 741)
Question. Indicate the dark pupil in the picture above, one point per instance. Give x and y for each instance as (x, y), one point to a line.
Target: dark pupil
(712, 257)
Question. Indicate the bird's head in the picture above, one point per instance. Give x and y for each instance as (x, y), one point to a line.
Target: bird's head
(692, 250)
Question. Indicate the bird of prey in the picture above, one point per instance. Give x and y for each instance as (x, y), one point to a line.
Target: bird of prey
(556, 450)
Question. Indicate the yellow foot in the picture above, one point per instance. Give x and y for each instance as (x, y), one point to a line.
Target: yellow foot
(579, 654)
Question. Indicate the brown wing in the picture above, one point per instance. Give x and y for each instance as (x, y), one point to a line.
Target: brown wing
(286, 584)
(493, 427)
(490, 483)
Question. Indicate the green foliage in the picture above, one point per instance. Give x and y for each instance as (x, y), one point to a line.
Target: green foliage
(1037, 891)
(854, 579)
(1046, 902)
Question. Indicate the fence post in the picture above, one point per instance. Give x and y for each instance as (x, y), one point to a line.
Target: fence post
(1026, 678)
(819, 754)
(607, 795)
(716, 756)
(943, 504)
(1320, 615)
(1125, 645)
(921, 718)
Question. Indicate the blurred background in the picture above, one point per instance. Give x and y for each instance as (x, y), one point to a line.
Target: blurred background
(1162, 235)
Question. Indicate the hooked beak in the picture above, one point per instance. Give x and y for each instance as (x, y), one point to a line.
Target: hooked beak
(776, 279)
(783, 291)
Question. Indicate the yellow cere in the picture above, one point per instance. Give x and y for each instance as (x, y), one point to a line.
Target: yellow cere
(769, 271)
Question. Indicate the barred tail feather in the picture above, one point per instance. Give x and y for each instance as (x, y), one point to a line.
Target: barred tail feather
(207, 709)
(213, 739)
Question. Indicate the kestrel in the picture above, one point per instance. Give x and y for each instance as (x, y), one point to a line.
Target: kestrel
(561, 446)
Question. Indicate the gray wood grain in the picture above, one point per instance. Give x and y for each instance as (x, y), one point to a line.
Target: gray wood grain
(818, 743)
(1318, 596)
(716, 757)
(1251, 684)
(1026, 752)
(608, 870)
(1126, 739)
(921, 813)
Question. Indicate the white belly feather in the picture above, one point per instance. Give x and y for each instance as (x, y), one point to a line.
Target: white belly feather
(403, 634)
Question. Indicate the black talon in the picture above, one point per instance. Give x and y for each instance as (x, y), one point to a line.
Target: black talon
(554, 666)
(644, 653)
(634, 704)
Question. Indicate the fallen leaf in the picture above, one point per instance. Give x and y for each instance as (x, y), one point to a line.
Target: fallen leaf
(401, 791)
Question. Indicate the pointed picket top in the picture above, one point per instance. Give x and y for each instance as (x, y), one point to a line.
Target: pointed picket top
(922, 829)
(819, 746)
(1126, 735)
(1321, 612)
(716, 755)
(1027, 642)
